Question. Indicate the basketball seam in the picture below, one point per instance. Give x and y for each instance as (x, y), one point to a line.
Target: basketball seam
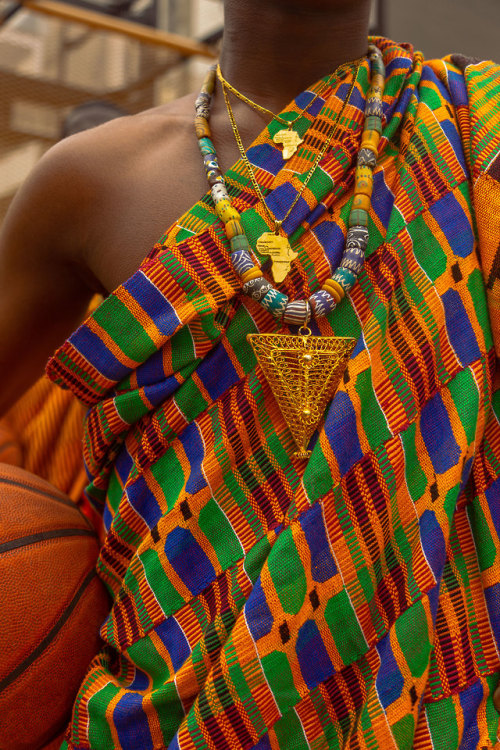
(45, 493)
(42, 536)
(17, 671)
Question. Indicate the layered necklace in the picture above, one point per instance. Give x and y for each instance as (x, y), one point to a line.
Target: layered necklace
(289, 137)
(302, 370)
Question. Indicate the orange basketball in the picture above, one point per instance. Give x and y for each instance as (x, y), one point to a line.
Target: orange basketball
(52, 605)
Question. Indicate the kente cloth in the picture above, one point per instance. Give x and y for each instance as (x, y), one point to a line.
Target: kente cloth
(42, 433)
(351, 600)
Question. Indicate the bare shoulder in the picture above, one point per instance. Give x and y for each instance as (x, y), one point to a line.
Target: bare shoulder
(103, 155)
(101, 198)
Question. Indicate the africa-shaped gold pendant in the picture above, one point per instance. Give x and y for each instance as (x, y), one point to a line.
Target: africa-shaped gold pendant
(280, 250)
(290, 140)
(303, 372)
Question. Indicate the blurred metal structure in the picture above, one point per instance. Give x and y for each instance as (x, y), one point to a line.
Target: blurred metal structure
(56, 55)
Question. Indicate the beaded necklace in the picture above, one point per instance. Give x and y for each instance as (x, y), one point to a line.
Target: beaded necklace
(289, 139)
(276, 244)
(303, 371)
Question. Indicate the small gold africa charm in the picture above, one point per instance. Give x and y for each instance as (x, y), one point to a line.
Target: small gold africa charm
(290, 140)
(282, 255)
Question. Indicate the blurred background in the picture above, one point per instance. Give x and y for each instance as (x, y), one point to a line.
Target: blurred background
(66, 66)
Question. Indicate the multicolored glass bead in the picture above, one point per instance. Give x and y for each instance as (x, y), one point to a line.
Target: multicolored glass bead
(323, 301)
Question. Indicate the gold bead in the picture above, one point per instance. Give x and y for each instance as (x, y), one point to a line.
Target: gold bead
(306, 412)
(307, 357)
(233, 228)
(362, 201)
(333, 287)
(221, 207)
(364, 181)
(202, 128)
(371, 140)
(227, 213)
(252, 273)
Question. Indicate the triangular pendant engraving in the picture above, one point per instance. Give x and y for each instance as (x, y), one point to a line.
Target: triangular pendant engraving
(303, 373)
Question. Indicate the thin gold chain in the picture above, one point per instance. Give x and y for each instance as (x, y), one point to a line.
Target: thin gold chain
(253, 179)
(264, 110)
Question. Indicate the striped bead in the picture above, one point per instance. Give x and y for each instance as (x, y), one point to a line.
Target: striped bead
(362, 201)
(219, 193)
(257, 288)
(239, 242)
(233, 228)
(241, 261)
(367, 158)
(334, 290)
(357, 237)
(358, 217)
(322, 303)
(372, 122)
(297, 313)
(275, 302)
(252, 273)
(364, 181)
(345, 278)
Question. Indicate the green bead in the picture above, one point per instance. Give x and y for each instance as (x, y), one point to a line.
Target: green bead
(275, 302)
(378, 65)
(239, 242)
(373, 122)
(345, 278)
(206, 146)
(358, 218)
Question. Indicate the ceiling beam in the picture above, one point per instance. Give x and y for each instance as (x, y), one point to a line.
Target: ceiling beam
(182, 44)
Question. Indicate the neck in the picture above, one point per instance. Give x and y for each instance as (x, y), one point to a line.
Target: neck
(271, 53)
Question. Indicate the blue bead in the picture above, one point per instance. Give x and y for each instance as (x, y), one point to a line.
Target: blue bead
(357, 237)
(322, 303)
(374, 107)
(241, 261)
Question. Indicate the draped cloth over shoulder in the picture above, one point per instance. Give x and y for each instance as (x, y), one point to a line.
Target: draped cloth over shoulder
(350, 601)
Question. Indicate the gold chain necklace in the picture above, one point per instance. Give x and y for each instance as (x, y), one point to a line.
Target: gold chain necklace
(289, 138)
(276, 244)
(303, 371)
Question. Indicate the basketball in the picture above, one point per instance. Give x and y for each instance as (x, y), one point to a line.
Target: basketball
(52, 605)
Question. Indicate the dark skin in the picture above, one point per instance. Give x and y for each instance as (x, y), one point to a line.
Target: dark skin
(98, 201)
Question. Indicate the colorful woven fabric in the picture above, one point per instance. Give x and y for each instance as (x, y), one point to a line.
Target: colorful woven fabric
(353, 600)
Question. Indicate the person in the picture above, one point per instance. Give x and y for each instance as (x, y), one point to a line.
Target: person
(344, 600)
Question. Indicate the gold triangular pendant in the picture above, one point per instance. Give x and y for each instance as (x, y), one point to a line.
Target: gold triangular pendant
(303, 372)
